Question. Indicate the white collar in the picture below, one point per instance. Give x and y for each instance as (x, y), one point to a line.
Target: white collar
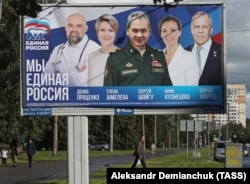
(205, 46)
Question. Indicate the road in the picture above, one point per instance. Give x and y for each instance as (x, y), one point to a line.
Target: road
(246, 162)
(41, 171)
(22, 174)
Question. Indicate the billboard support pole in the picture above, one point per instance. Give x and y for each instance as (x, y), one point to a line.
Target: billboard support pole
(111, 132)
(187, 137)
(78, 156)
(55, 147)
(143, 130)
(178, 131)
(228, 119)
(155, 132)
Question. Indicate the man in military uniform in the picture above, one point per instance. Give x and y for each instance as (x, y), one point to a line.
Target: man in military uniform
(137, 64)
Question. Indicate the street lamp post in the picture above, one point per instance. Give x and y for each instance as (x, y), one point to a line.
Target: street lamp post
(227, 118)
(207, 138)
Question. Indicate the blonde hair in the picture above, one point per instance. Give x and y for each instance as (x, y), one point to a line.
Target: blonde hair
(109, 19)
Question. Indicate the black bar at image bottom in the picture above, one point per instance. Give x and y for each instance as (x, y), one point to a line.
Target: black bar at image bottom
(177, 175)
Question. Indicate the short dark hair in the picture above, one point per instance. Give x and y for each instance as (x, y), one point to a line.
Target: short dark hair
(167, 19)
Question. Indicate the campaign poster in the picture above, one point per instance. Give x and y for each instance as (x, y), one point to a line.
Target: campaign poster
(45, 37)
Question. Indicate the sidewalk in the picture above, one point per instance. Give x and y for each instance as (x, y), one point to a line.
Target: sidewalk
(22, 174)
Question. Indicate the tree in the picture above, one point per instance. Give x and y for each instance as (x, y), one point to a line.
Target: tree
(12, 124)
(9, 74)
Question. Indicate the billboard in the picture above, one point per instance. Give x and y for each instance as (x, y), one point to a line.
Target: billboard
(55, 77)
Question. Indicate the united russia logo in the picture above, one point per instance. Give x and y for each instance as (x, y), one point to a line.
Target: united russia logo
(37, 29)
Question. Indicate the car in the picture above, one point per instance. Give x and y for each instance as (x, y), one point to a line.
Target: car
(245, 151)
(100, 146)
(219, 150)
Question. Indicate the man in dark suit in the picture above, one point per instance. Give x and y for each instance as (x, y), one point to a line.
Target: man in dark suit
(209, 55)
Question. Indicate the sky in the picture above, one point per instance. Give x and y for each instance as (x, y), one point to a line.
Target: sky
(237, 40)
(238, 44)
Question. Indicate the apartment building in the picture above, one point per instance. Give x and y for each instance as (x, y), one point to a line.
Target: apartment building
(236, 107)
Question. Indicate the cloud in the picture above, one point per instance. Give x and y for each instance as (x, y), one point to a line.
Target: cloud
(237, 43)
(237, 47)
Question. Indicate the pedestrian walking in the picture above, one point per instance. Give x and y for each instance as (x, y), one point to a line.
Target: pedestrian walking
(4, 154)
(139, 153)
(13, 151)
(31, 150)
(153, 148)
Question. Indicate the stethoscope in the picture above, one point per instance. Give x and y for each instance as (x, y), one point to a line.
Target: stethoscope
(60, 53)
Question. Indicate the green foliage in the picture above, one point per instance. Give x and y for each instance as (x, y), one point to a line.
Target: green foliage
(9, 74)
(126, 129)
(99, 128)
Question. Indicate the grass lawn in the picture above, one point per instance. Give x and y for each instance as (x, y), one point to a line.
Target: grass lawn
(180, 160)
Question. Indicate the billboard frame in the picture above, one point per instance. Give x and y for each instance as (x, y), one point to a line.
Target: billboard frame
(66, 111)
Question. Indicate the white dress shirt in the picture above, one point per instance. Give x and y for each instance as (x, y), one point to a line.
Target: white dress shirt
(183, 68)
(203, 53)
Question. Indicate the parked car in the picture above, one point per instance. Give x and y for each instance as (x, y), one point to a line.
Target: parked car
(245, 151)
(219, 150)
(100, 146)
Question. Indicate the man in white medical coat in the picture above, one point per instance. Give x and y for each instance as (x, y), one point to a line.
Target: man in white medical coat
(68, 61)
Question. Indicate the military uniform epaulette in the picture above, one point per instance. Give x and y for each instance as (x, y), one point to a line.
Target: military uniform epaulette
(115, 52)
(152, 49)
(112, 53)
(155, 49)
